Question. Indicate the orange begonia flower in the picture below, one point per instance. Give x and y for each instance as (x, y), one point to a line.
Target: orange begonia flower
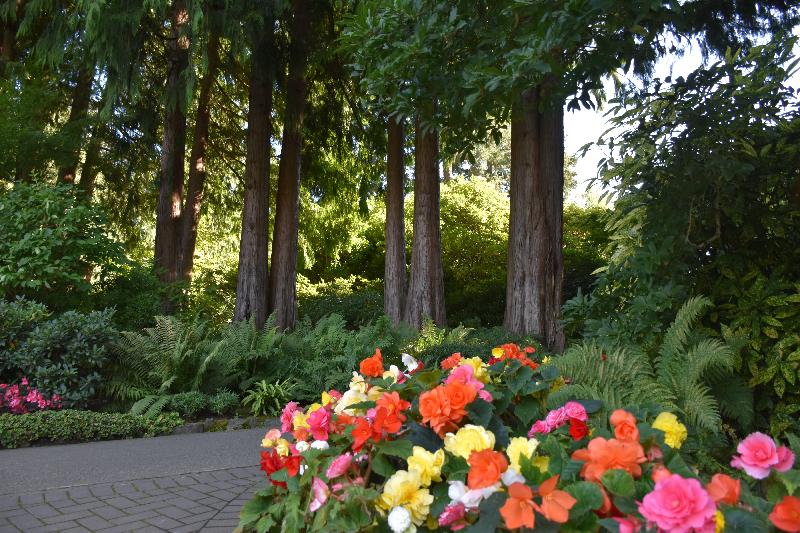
(518, 509)
(485, 468)
(659, 472)
(624, 426)
(451, 362)
(444, 406)
(555, 503)
(724, 489)
(786, 514)
(602, 455)
(391, 407)
(362, 432)
(372, 366)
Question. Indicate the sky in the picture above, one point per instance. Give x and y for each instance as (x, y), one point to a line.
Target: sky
(586, 126)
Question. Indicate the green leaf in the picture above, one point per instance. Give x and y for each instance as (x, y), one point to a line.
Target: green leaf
(480, 412)
(382, 466)
(489, 514)
(528, 410)
(588, 496)
(790, 480)
(739, 520)
(253, 509)
(398, 448)
(424, 436)
(519, 379)
(618, 482)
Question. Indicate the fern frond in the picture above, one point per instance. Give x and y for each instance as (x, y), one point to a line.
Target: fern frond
(676, 336)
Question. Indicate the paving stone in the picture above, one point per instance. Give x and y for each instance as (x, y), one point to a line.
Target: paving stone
(42, 511)
(198, 517)
(189, 528)
(164, 522)
(121, 502)
(108, 512)
(55, 495)
(66, 517)
(174, 512)
(101, 491)
(31, 499)
(133, 518)
(77, 529)
(8, 502)
(94, 522)
(25, 521)
(126, 528)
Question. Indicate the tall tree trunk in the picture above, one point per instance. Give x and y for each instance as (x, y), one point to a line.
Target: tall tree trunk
(74, 128)
(394, 278)
(173, 153)
(197, 163)
(283, 273)
(426, 289)
(535, 256)
(251, 278)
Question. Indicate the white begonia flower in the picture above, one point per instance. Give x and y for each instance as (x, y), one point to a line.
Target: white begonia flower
(471, 499)
(511, 476)
(302, 446)
(320, 445)
(399, 519)
(410, 362)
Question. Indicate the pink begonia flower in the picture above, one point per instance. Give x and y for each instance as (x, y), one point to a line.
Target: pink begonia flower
(320, 422)
(679, 505)
(453, 516)
(287, 416)
(785, 459)
(540, 426)
(757, 455)
(627, 524)
(575, 410)
(339, 466)
(24, 382)
(466, 374)
(321, 492)
(335, 394)
(557, 418)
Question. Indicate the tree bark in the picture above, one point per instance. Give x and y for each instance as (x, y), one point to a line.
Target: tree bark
(283, 275)
(190, 217)
(173, 153)
(74, 128)
(535, 256)
(394, 279)
(252, 275)
(426, 288)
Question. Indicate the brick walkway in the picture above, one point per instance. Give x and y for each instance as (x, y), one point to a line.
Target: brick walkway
(207, 501)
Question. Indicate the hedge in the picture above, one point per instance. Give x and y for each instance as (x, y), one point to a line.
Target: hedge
(79, 426)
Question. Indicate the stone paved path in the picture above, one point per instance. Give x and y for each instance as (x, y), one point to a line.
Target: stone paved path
(185, 483)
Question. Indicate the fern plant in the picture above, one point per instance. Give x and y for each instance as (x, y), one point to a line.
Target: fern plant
(170, 358)
(686, 371)
(268, 398)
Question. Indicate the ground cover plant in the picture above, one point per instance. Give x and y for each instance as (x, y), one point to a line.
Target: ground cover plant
(472, 445)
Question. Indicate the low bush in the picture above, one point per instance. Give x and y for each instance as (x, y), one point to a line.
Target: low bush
(64, 355)
(356, 299)
(21, 398)
(223, 402)
(187, 404)
(78, 426)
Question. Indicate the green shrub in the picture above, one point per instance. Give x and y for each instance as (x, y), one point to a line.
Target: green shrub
(356, 299)
(223, 402)
(55, 239)
(78, 426)
(268, 398)
(17, 319)
(135, 293)
(64, 355)
(187, 404)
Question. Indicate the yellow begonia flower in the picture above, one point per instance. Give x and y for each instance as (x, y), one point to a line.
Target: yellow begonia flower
(404, 489)
(374, 393)
(469, 439)
(350, 397)
(393, 373)
(519, 447)
(428, 465)
(313, 407)
(271, 438)
(497, 352)
(300, 420)
(719, 518)
(479, 368)
(358, 383)
(326, 399)
(542, 462)
(282, 447)
(674, 432)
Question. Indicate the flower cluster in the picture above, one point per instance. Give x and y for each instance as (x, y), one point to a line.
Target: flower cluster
(472, 443)
(22, 398)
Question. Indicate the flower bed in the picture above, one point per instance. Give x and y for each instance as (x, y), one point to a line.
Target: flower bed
(472, 447)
